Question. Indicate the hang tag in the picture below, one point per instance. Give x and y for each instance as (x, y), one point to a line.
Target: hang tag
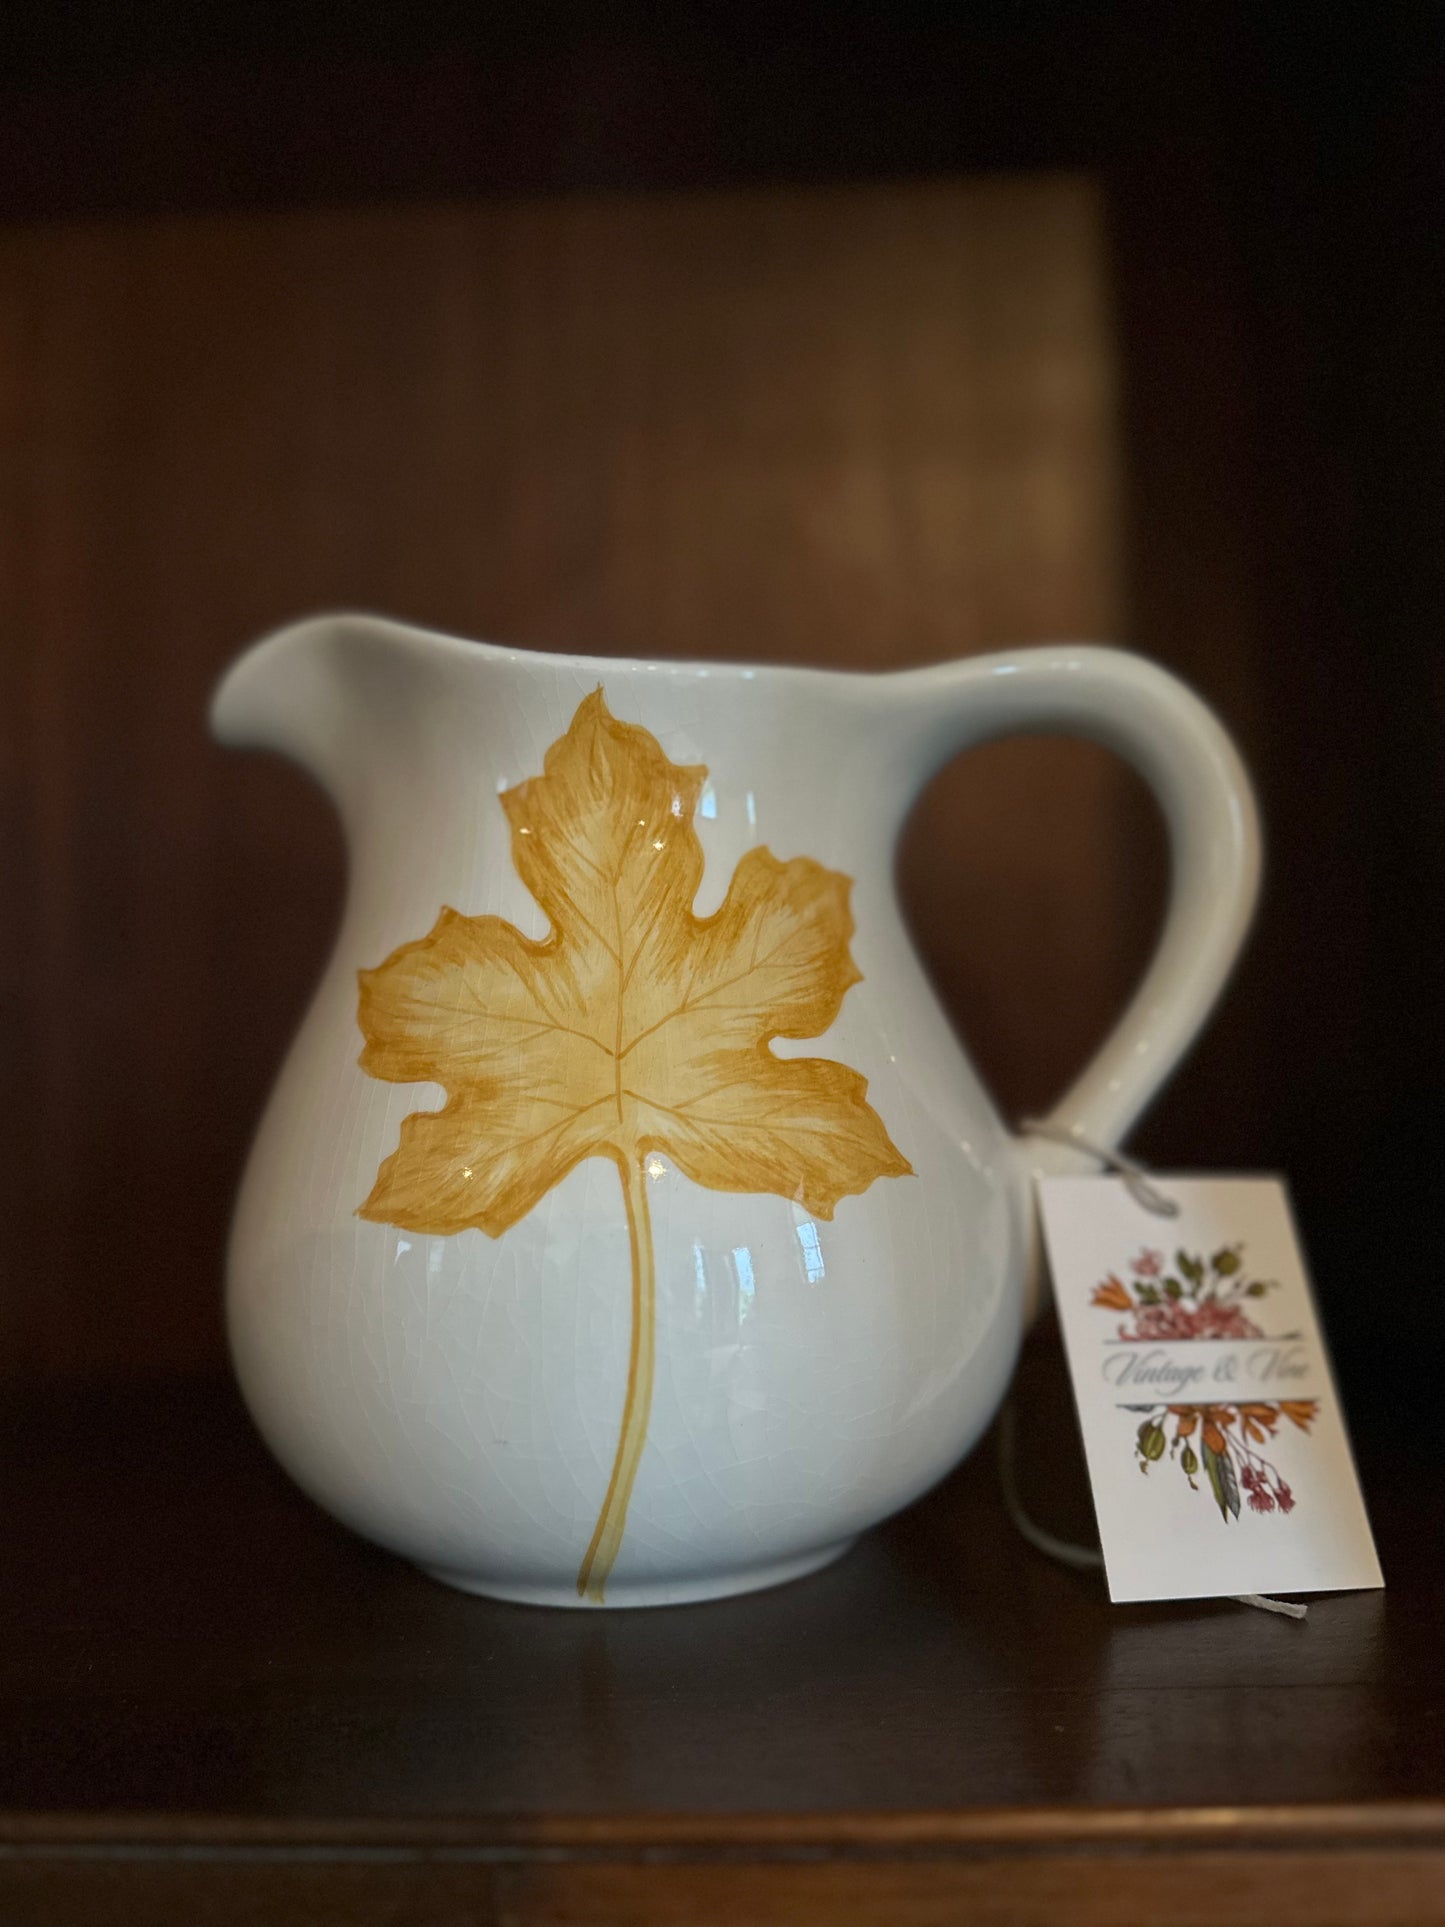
(1215, 1441)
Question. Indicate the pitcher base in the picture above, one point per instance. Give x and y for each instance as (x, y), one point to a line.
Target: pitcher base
(622, 1593)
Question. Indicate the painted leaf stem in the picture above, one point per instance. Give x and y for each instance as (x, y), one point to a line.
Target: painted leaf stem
(637, 1404)
(634, 1027)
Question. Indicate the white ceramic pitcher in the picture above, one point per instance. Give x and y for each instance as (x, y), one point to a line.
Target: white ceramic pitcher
(627, 1225)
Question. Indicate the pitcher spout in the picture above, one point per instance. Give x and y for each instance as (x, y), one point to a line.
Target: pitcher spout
(325, 693)
(281, 695)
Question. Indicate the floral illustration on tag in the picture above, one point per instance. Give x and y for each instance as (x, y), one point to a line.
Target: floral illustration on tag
(633, 1028)
(1204, 1298)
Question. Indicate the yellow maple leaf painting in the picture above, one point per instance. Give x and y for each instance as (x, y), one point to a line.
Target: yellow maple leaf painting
(634, 1027)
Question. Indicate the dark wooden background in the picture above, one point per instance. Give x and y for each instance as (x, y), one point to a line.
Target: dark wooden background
(240, 379)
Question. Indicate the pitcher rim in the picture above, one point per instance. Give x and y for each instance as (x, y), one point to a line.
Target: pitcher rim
(998, 659)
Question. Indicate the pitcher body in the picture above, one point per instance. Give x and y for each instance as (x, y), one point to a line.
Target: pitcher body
(627, 1226)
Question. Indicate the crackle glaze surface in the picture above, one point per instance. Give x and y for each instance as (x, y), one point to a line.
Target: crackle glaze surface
(833, 1278)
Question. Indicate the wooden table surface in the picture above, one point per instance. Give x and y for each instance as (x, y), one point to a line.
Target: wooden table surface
(215, 1705)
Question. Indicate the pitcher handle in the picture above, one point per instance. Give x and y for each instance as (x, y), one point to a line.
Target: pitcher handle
(1180, 748)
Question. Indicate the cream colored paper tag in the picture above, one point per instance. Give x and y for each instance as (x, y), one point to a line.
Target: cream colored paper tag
(1215, 1441)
